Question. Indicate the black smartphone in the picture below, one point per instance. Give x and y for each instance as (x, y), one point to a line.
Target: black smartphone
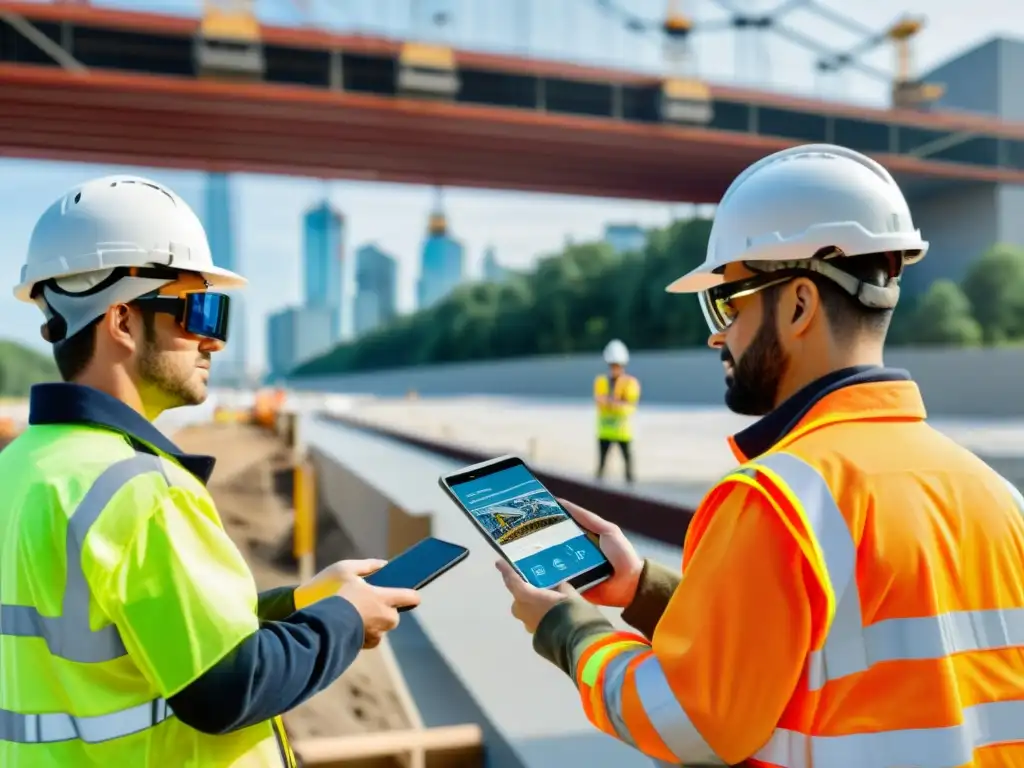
(524, 522)
(419, 565)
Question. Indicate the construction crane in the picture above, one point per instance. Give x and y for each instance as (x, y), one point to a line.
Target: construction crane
(684, 97)
(677, 28)
(907, 90)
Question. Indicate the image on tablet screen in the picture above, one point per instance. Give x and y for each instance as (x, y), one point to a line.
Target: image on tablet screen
(529, 525)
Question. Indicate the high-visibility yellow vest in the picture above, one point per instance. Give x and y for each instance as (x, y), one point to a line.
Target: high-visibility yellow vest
(613, 421)
(118, 588)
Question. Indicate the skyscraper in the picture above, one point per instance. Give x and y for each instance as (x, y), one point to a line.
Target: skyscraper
(323, 249)
(295, 335)
(442, 261)
(493, 271)
(229, 366)
(376, 288)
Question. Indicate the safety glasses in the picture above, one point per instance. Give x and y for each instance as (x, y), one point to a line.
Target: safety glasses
(198, 312)
(717, 303)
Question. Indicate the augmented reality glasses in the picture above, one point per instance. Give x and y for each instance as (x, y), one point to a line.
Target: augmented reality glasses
(198, 312)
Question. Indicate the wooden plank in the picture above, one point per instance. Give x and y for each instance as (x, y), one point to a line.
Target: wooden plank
(345, 750)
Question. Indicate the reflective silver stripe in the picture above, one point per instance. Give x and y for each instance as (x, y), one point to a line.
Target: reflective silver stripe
(843, 652)
(59, 726)
(68, 636)
(668, 717)
(984, 725)
(850, 647)
(614, 677)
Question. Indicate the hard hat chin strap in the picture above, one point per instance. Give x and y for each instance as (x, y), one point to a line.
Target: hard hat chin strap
(868, 294)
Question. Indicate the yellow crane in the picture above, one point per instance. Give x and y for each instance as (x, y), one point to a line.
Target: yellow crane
(684, 97)
(908, 91)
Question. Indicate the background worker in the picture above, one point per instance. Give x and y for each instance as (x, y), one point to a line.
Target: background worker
(131, 630)
(851, 594)
(616, 395)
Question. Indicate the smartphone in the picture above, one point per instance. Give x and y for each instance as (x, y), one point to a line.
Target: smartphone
(524, 522)
(419, 565)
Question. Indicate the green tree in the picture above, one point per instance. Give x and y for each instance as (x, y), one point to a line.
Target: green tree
(21, 367)
(942, 317)
(995, 288)
(573, 301)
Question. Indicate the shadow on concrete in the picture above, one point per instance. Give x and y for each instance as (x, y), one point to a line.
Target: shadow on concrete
(430, 679)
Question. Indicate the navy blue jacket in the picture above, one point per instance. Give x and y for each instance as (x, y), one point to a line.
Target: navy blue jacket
(292, 656)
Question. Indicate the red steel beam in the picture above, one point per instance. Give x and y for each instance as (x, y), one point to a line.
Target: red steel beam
(149, 120)
(319, 39)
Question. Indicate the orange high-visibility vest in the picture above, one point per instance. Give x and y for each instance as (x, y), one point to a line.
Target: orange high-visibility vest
(917, 648)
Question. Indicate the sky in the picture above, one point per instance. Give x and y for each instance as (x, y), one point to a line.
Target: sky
(521, 227)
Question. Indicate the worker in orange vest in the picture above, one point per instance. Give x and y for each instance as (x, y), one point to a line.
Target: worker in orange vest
(852, 595)
(615, 395)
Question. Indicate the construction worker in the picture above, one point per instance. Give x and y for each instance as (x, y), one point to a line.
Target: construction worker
(616, 395)
(853, 593)
(131, 631)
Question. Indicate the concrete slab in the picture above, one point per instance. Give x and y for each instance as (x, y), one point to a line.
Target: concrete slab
(465, 616)
(679, 451)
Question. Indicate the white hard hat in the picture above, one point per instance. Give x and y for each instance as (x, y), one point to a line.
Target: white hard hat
(105, 224)
(616, 353)
(796, 203)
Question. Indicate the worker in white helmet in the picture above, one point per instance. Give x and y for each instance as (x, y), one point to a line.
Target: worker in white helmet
(851, 594)
(131, 630)
(616, 395)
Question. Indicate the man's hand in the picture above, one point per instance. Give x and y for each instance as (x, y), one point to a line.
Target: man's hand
(529, 603)
(330, 580)
(378, 606)
(619, 590)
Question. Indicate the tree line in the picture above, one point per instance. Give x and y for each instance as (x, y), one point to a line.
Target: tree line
(21, 367)
(576, 300)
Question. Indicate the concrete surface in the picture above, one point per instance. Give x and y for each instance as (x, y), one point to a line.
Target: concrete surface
(532, 709)
(679, 451)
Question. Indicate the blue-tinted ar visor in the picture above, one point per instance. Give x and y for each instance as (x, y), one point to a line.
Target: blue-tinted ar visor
(198, 312)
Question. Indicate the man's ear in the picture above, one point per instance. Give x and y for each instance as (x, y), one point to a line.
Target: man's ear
(804, 303)
(121, 326)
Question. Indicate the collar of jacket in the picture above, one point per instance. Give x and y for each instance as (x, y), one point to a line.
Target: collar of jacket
(63, 403)
(848, 394)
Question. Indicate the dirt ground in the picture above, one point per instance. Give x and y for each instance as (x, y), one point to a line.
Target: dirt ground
(258, 520)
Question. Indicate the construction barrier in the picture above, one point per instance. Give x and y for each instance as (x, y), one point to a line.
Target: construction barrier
(269, 404)
(304, 538)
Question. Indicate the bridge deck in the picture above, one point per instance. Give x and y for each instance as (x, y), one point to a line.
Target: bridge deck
(570, 130)
(465, 618)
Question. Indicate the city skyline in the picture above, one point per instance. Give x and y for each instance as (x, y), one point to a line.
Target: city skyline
(344, 298)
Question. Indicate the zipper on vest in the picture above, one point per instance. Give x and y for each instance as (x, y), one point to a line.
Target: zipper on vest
(287, 755)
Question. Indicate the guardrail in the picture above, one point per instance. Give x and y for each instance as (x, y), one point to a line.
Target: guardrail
(655, 518)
